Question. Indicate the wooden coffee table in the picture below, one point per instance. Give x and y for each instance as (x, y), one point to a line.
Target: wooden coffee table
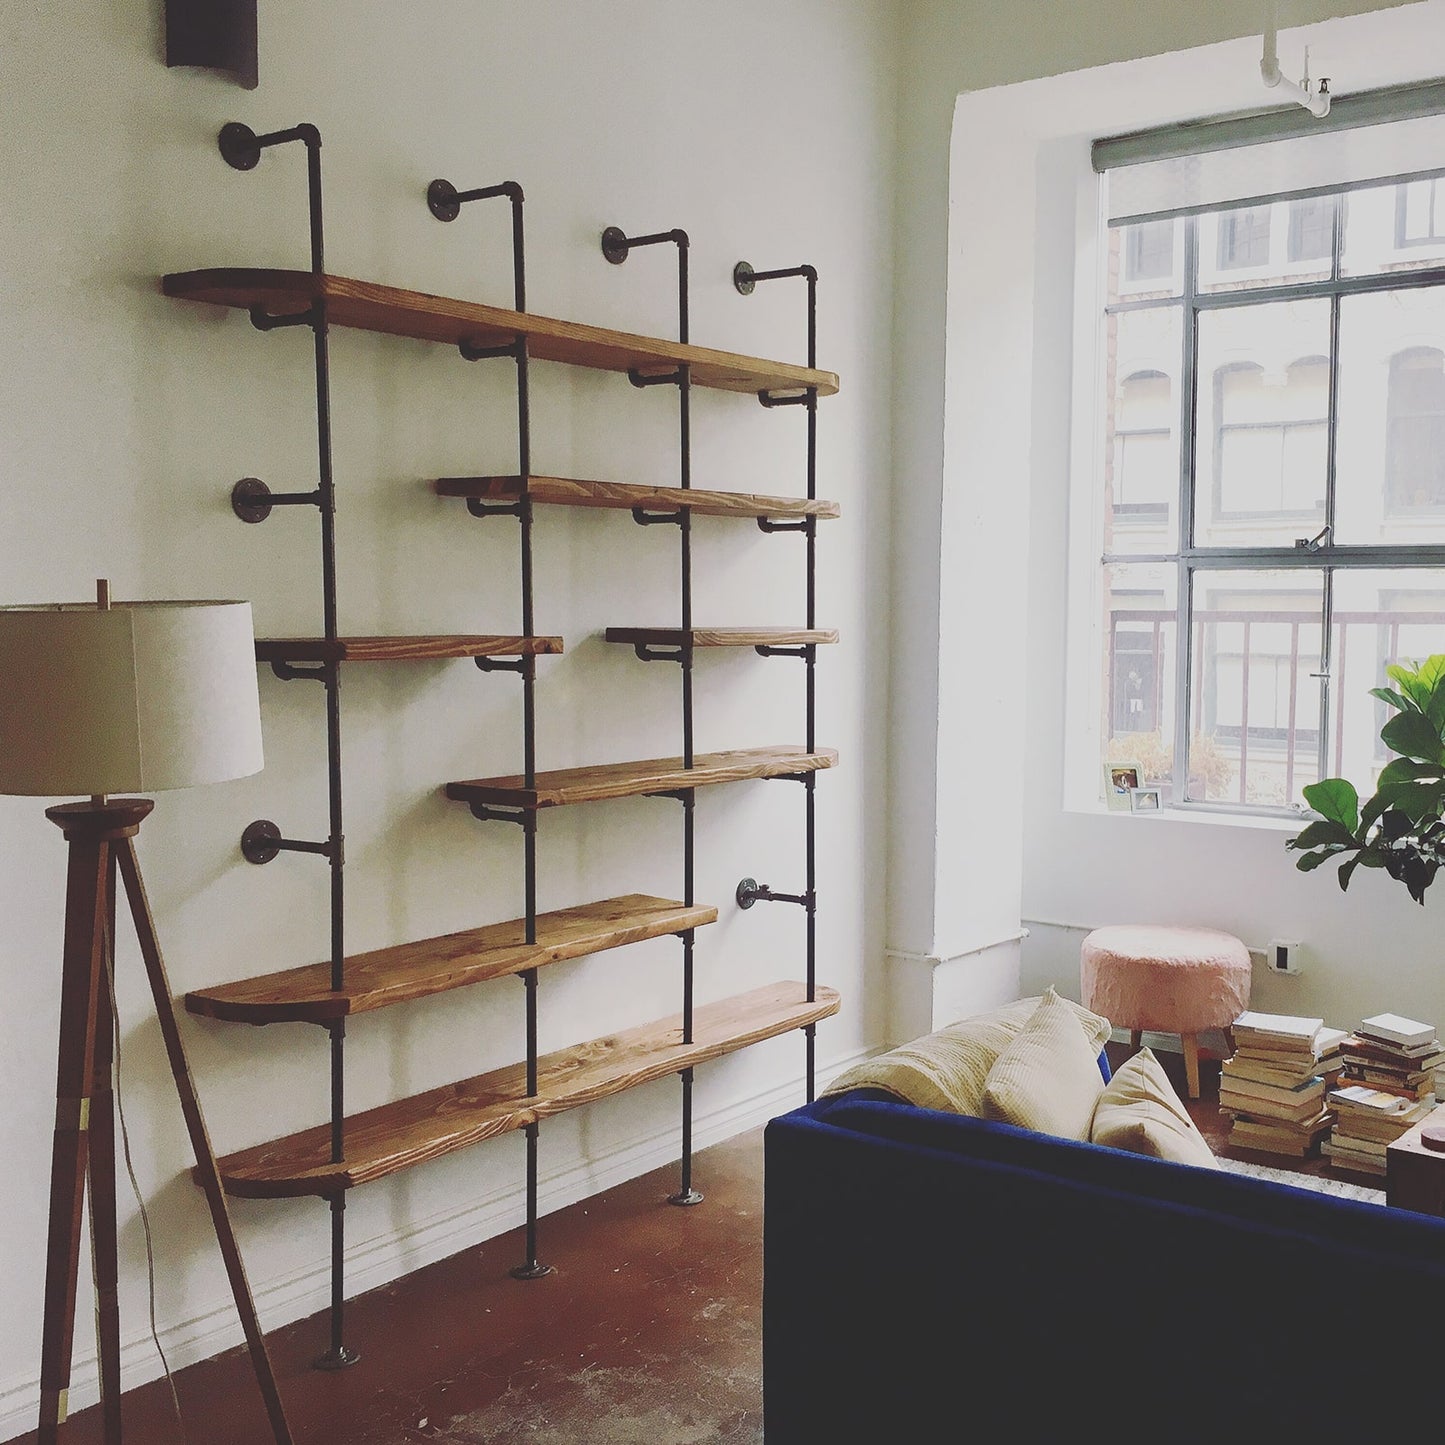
(1414, 1172)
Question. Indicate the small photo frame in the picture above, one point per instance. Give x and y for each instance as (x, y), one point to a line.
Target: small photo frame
(1144, 800)
(1120, 779)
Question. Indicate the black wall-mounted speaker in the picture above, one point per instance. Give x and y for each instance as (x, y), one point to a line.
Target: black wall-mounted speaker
(213, 34)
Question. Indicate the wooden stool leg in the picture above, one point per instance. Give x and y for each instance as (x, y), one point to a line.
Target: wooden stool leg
(1191, 1062)
(1136, 1037)
(80, 975)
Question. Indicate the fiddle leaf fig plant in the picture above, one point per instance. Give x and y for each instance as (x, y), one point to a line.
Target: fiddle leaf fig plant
(1401, 826)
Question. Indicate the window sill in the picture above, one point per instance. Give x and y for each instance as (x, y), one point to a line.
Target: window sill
(1254, 822)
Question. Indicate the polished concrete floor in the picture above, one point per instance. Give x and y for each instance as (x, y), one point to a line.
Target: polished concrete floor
(648, 1333)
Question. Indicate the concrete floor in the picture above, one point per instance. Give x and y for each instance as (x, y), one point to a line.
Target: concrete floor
(649, 1333)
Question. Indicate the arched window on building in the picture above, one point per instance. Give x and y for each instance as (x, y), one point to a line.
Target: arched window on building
(1415, 432)
(1146, 464)
(1270, 438)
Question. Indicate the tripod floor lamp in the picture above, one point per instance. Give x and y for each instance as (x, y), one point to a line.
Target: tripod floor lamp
(95, 700)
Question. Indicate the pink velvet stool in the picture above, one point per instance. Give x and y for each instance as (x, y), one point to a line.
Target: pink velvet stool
(1167, 980)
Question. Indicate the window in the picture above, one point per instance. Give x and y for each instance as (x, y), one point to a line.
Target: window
(1420, 213)
(1146, 470)
(1149, 251)
(1244, 238)
(1274, 490)
(1415, 431)
(1269, 454)
(1311, 222)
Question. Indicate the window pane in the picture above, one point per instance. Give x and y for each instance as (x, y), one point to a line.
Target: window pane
(1144, 260)
(1311, 222)
(1381, 616)
(1141, 458)
(1254, 704)
(1390, 464)
(1394, 228)
(1140, 630)
(1261, 433)
(1266, 245)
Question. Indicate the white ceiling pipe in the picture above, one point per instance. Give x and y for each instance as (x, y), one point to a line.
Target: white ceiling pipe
(1317, 102)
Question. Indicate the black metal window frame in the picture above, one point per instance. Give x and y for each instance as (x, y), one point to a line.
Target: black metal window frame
(1316, 554)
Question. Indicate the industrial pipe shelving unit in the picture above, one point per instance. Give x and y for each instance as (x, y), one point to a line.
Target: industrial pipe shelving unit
(326, 1161)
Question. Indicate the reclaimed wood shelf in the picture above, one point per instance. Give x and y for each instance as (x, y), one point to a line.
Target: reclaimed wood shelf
(638, 779)
(722, 636)
(400, 649)
(408, 1132)
(366, 306)
(624, 496)
(435, 965)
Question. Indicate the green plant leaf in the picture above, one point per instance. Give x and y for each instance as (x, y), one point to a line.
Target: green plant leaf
(1410, 684)
(1412, 735)
(1308, 862)
(1401, 770)
(1335, 800)
(1326, 830)
(1347, 870)
(1395, 699)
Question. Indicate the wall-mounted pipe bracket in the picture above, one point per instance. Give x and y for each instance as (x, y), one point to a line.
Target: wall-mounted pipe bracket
(750, 891)
(646, 652)
(473, 351)
(497, 664)
(484, 813)
(766, 524)
(764, 649)
(772, 399)
(262, 319)
(644, 518)
(252, 499)
(665, 378)
(289, 672)
(478, 508)
(262, 841)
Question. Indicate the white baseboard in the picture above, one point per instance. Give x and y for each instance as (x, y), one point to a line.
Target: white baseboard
(386, 1257)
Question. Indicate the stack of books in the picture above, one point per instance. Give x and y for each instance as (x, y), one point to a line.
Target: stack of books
(1399, 1055)
(1387, 1085)
(1274, 1088)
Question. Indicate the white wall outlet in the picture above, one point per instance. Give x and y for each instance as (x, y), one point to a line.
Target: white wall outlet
(1284, 955)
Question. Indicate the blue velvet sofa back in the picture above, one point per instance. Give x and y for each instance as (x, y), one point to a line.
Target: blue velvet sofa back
(931, 1277)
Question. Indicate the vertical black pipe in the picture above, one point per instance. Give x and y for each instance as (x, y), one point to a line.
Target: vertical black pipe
(338, 1355)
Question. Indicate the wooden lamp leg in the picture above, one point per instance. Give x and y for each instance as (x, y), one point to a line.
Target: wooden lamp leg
(1191, 1063)
(80, 982)
(200, 1138)
(103, 1252)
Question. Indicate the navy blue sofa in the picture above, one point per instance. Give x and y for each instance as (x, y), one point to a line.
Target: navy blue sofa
(932, 1277)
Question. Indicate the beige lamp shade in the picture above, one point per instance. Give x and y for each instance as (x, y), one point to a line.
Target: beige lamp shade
(137, 697)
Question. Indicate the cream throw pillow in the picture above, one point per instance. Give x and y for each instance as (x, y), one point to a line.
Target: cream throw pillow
(1048, 1078)
(1140, 1111)
(949, 1068)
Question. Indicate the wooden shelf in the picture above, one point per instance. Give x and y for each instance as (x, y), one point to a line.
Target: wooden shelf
(399, 649)
(637, 779)
(390, 310)
(623, 496)
(407, 1132)
(434, 965)
(722, 636)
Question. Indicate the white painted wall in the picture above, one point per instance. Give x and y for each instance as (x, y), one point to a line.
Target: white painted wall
(981, 401)
(767, 132)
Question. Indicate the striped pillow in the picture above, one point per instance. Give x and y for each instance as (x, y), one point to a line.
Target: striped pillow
(1048, 1078)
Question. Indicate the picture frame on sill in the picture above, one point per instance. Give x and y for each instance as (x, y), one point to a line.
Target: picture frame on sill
(1119, 779)
(1145, 800)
